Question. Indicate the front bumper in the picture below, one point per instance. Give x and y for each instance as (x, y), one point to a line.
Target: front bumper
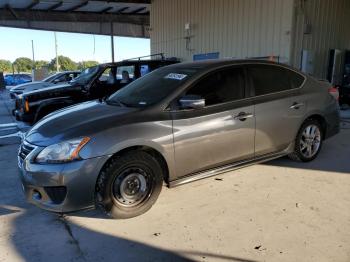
(24, 117)
(60, 187)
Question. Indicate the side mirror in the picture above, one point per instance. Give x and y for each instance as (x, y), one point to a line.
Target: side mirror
(192, 101)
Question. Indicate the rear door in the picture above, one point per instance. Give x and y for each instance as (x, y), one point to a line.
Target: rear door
(216, 134)
(279, 106)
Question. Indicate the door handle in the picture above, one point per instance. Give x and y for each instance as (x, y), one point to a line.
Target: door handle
(242, 116)
(296, 105)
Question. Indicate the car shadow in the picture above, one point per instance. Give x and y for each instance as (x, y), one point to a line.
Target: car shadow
(40, 236)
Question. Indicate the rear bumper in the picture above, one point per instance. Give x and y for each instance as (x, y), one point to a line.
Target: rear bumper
(333, 122)
(61, 187)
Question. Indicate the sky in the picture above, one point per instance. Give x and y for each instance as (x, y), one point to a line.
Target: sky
(16, 43)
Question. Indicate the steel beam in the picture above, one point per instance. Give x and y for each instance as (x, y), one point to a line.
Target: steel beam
(76, 7)
(61, 16)
(138, 10)
(32, 4)
(126, 1)
(96, 28)
(121, 10)
(105, 10)
(55, 6)
(12, 11)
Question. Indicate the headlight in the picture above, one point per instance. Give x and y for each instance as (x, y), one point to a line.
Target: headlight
(62, 152)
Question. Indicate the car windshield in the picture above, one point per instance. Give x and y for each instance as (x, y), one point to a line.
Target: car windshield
(153, 87)
(86, 75)
(51, 77)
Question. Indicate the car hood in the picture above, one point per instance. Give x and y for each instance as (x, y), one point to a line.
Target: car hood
(31, 86)
(85, 119)
(49, 89)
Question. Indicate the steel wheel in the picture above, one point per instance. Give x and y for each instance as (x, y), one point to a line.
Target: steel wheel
(131, 187)
(129, 184)
(310, 141)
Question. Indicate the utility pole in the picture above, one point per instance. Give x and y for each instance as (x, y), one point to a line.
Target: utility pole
(94, 46)
(57, 70)
(112, 42)
(33, 65)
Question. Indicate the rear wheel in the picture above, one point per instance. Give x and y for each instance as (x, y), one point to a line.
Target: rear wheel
(308, 142)
(129, 185)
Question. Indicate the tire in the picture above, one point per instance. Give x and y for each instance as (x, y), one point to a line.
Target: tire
(302, 153)
(135, 171)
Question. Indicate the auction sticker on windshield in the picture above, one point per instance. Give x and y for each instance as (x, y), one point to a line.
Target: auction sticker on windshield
(175, 76)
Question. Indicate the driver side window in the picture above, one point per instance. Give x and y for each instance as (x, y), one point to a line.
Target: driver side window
(222, 86)
(105, 75)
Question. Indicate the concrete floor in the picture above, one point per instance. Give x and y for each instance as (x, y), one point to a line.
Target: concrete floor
(277, 211)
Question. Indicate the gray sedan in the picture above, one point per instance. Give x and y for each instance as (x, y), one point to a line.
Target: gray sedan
(175, 125)
(51, 80)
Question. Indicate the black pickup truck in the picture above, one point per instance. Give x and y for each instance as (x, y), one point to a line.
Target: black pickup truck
(93, 83)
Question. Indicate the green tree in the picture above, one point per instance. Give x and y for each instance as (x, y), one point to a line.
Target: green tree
(64, 64)
(23, 64)
(85, 64)
(41, 63)
(5, 66)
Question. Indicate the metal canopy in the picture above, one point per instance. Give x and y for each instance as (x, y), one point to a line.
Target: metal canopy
(128, 17)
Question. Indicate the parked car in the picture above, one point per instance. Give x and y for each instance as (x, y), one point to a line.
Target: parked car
(177, 124)
(17, 79)
(58, 78)
(344, 90)
(344, 95)
(94, 82)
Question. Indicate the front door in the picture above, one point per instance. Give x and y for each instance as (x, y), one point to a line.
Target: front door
(220, 133)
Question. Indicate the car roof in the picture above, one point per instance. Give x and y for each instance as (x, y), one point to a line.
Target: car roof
(70, 72)
(213, 63)
(132, 62)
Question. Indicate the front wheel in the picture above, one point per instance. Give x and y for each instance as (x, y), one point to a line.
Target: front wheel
(308, 142)
(129, 185)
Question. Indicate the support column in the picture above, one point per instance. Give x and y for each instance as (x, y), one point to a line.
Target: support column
(112, 42)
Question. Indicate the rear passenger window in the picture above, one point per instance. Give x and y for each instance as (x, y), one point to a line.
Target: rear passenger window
(296, 79)
(220, 87)
(269, 79)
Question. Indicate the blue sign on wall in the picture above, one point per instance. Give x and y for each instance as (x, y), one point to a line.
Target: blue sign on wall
(207, 56)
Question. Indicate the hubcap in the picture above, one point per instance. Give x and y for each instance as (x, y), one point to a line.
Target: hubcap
(310, 141)
(131, 187)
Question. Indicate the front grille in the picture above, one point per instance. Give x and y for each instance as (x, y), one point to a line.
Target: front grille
(56, 193)
(24, 150)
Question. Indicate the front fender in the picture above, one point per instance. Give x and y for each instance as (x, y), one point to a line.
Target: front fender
(57, 101)
(156, 135)
(51, 101)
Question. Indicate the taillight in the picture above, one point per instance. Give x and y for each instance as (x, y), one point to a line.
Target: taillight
(334, 92)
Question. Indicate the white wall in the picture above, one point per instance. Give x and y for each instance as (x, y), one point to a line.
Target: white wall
(235, 28)
(330, 21)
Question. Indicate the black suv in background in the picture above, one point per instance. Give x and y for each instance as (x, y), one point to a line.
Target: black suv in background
(93, 83)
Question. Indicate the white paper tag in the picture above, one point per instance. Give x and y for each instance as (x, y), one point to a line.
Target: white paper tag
(175, 76)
